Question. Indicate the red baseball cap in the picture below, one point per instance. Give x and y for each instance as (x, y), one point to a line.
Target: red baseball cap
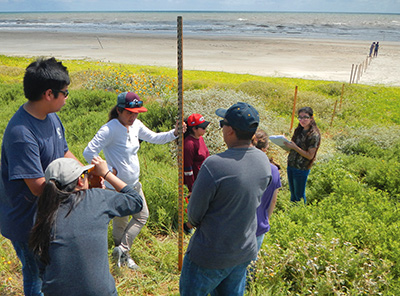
(131, 102)
(197, 120)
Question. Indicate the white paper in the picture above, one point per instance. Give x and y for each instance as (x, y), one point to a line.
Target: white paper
(279, 140)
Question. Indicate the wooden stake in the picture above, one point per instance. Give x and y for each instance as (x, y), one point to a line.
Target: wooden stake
(333, 114)
(341, 98)
(99, 42)
(351, 73)
(180, 141)
(355, 73)
(294, 109)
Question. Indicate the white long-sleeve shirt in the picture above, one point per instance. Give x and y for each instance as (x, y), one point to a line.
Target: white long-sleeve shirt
(120, 146)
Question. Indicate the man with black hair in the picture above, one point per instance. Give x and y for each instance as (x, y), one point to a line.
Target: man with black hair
(34, 137)
(222, 207)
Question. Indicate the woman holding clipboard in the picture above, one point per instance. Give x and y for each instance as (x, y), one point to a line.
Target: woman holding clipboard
(303, 150)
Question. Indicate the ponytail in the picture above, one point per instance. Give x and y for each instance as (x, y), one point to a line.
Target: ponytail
(48, 204)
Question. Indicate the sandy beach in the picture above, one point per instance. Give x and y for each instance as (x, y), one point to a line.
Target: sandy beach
(300, 58)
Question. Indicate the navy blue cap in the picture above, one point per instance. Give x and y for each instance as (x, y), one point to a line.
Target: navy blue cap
(241, 116)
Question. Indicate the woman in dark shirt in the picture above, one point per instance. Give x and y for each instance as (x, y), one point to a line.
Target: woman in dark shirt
(303, 150)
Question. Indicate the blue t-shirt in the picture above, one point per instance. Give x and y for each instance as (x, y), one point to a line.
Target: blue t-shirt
(29, 145)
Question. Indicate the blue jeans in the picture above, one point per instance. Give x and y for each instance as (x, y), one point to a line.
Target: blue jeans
(260, 240)
(30, 269)
(297, 183)
(200, 281)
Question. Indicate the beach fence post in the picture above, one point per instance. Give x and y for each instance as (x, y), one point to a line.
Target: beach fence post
(355, 73)
(366, 64)
(180, 140)
(334, 111)
(351, 73)
(341, 98)
(294, 109)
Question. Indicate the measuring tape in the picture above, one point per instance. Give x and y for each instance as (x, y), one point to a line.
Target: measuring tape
(180, 142)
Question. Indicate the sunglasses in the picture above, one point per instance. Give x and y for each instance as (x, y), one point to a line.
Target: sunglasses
(65, 93)
(222, 123)
(303, 117)
(134, 104)
(84, 174)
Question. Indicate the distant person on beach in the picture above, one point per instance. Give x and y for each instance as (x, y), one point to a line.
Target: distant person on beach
(195, 152)
(33, 138)
(303, 150)
(269, 197)
(120, 140)
(376, 49)
(70, 233)
(371, 49)
(222, 207)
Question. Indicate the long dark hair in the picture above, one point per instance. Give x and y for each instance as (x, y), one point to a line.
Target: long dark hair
(313, 130)
(48, 204)
(189, 129)
(114, 112)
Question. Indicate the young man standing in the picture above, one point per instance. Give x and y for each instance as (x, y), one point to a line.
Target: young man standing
(223, 207)
(34, 137)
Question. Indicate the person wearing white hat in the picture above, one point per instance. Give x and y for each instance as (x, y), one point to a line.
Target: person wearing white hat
(70, 233)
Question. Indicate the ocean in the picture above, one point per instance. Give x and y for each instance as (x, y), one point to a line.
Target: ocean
(339, 26)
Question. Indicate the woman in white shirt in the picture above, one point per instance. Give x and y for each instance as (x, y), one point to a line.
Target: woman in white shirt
(119, 140)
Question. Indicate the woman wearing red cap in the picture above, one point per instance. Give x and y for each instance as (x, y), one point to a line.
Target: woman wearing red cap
(195, 151)
(119, 139)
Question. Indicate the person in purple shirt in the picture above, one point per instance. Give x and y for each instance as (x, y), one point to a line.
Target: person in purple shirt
(268, 200)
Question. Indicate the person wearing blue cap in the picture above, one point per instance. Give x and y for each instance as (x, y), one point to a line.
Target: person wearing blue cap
(222, 207)
(120, 140)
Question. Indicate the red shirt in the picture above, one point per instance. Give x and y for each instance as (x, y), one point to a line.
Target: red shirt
(195, 152)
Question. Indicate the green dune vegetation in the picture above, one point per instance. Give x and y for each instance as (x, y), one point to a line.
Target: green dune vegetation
(344, 242)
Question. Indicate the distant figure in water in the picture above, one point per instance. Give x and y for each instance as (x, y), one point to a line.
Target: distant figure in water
(376, 49)
(371, 49)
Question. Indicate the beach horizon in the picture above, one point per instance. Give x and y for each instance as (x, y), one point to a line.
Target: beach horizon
(306, 58)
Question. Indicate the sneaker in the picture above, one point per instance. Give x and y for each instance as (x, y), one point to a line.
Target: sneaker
(117, 255)
(186, 229)
(129, 261)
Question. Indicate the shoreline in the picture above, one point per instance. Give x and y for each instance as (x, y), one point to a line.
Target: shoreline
(316, 59)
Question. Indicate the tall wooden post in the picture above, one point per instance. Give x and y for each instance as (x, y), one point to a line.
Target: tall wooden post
(341, 98)
(294, 109)
(180, 141)
(333, 114)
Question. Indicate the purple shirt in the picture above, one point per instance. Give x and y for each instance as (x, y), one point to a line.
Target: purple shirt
(262, 211)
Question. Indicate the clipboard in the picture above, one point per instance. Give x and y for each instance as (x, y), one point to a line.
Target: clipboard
(280, 140)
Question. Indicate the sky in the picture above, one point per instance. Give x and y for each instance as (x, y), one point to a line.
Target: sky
(369, 6)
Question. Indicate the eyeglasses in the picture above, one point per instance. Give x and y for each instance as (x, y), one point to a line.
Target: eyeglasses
(134, 104)
(303, 117)
(222, 123)
(84, 174)
(65, 93)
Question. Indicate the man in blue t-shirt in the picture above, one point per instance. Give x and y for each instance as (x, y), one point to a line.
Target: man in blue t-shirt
(34, 137)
